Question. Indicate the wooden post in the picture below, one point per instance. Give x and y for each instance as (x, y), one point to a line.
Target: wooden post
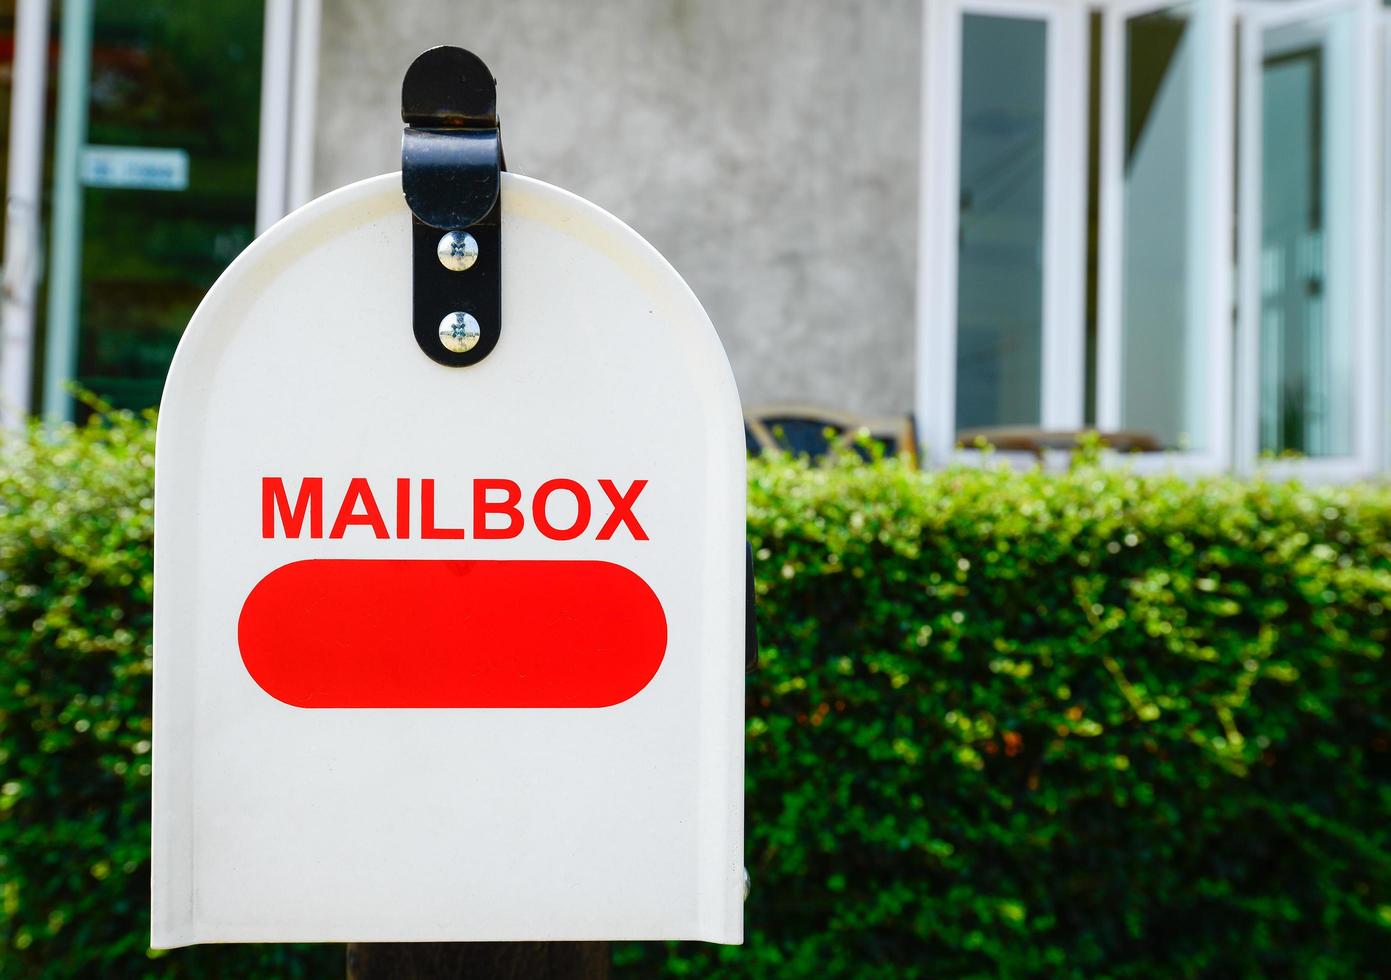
(478, 961)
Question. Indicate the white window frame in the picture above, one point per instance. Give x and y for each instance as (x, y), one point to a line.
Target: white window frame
(1368, 413)
(1214, 58)
(1064, 219)
(1381, 405)
(289, 80)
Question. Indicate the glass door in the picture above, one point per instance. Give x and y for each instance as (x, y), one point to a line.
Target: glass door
(169, 172)
(151, 140)
(1001, 269)
(1165, 290)
(1308, 350)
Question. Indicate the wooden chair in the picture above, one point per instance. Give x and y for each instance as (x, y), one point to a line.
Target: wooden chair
(821, 433)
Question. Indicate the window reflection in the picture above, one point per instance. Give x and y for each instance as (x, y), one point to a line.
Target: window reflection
(1162, 313)
(1305, 301)
(1000, 248)
(181, 77)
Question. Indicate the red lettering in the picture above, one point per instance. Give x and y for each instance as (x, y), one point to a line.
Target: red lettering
(482, 507)
(427, 516)
(359, 490)
(403, 508)
(538, 510)
(622, 510)
(493, 518)
(309, 501)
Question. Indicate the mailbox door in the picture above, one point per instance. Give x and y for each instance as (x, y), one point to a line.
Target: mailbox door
(288, 810)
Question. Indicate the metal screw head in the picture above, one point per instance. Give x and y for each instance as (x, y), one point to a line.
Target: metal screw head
(457, 251)
(459, 332)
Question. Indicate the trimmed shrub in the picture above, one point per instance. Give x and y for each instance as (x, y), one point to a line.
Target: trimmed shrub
(1093, 724)
(1005, 724)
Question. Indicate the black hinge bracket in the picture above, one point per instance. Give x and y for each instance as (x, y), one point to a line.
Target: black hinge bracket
(451, 158)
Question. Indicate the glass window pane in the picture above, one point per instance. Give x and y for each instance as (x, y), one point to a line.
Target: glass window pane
(1162, 350)
(1000, 249)
(1306, 228)
(180, 85)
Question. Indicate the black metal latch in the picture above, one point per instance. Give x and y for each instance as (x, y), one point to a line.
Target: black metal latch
(451, 158)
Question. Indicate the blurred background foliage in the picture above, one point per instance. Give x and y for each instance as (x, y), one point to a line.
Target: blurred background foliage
(1007, 724)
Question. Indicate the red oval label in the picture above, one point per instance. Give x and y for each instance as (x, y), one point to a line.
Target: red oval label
(399, 633)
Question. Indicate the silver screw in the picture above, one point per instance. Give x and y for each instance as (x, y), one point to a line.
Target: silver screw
(457, 251)
(459, 332)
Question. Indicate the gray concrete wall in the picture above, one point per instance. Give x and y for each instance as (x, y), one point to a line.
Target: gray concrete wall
(769, 148)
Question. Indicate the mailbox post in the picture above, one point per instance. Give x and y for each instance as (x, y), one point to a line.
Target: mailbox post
(449, 578)
(478, 961)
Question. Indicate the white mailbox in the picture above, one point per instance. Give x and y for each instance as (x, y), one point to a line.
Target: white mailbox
(449, 649)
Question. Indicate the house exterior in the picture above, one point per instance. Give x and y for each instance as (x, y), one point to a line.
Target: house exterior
(1144, 216)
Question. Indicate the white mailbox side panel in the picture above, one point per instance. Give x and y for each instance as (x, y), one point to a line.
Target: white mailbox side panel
(362, 730)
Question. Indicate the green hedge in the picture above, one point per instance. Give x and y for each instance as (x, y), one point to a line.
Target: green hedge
(1006, 724)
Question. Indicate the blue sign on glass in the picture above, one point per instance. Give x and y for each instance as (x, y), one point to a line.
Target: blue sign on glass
(137, 167)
